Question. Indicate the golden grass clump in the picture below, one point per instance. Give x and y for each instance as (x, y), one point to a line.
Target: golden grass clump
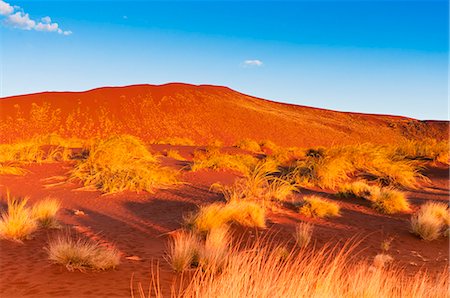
(249, 145)
(172, 153)
(329, 168)
(45, 213)
(216, 215)
(427, 149)
(82, 254)
(123, 163)
(325, 172)
(389, 201)
(260, 184)
(214, 252)
(214, 159)
(314, 206)
(358, 189)
(17, 223)
(184, 247)
(258, 272)
(303, 233)
(431, 221)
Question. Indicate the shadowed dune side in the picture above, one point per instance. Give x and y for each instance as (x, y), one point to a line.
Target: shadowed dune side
(201, 113)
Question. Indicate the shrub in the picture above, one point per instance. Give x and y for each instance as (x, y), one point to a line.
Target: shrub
(314, 206)
(45, 212)
(214, 159)
(357, 189)
(17, 223)
(123, 163)
(303, 234)
(82, 254)
(389, 201)
(218, 215)
(183, 250)
(430, 221)
(258, 272)
(249, 145)
(213, 254)
(427, 149)
(325, 172)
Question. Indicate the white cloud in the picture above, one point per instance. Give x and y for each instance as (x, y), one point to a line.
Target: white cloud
(17, 18)
(254, 62)
(5, 8)
(46, 20)
(21, 20)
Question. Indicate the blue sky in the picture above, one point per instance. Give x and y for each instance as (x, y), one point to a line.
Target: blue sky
(388, 57)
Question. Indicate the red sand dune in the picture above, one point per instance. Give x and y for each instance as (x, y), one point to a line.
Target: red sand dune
(202, 113)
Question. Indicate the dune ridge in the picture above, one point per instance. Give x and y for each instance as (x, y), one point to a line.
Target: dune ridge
(200, 112)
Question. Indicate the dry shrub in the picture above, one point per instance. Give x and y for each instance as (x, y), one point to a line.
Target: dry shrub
(314, 206)
(249, 145)
(389, 201)
(45, 213)
(214, 252)
(315, 273)
(325, 172)
(303, 233)
(184, 249)
(17, 223)
(123, 163)
(358, 189)
(172, 153)
(37, 150)
(259, 184)
(214, 159)
(427, 149)
(430, 221)
(82, 253)
(217, 215)
(328, 168)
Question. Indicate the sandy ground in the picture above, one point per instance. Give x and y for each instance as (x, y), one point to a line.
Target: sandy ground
(138, 223)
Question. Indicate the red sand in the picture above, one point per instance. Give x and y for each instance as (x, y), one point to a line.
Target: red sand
(138, 225)
(202, 113)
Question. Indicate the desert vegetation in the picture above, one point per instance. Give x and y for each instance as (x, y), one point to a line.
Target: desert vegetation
(216, 160)
(123, 163)
(20, 220)
(431, 221)
(328, 272)
(81, 253)
(314, 206)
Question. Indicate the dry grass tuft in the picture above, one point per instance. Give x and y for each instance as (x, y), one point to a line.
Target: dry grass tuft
(217, 215)
(17, 223)
(430, 221)
(303, 234)
(213, 254)
(214, 159)
(123, 163)
(358, 189)
(249, 145)
(82, 254)
(314, 206)
(45, 213)
(389, 201)
(316, 273)
(427, 149)
(172, 153)
(184, 250)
